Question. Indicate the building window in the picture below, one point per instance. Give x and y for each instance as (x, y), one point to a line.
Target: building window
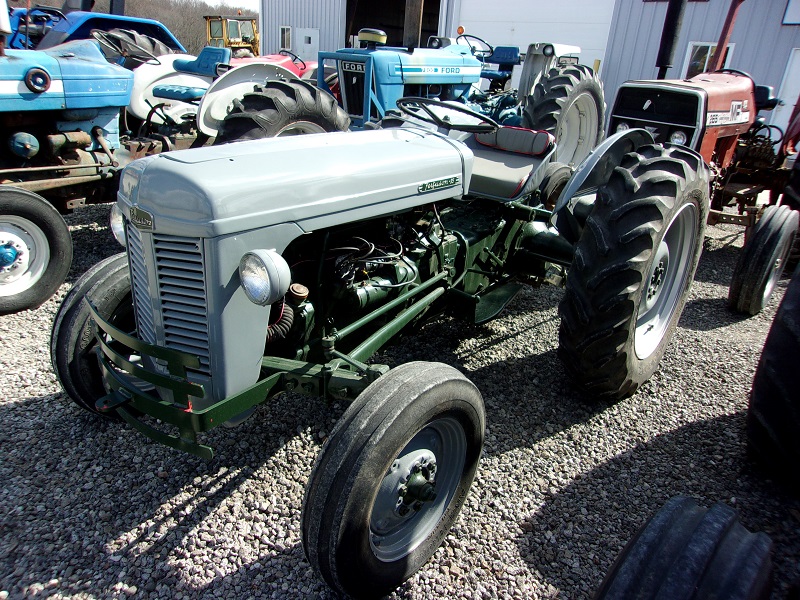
(792, 14)
(699, 55)
(286, 37)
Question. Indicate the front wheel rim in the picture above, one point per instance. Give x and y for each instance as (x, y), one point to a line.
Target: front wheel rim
(417, 488)
(666, 281)
(26, 252)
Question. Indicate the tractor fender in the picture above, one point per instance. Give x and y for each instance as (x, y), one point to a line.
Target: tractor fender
(577, 197)
(596, 169)
(163, 72)
(234, 84)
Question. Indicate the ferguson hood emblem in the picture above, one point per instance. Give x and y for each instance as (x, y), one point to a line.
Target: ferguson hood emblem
(432, 186)
(142, 219)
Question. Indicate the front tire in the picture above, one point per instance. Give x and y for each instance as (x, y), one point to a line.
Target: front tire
(773, 417)
(568, 102)
(687, 552)
(282, 108)
(35, 250)
(72, 344)
(761, 262)
(392, 478)
(632, 270)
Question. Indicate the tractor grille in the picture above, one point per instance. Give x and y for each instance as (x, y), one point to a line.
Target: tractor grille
(180, 292)
(181, 288)
(142, 302)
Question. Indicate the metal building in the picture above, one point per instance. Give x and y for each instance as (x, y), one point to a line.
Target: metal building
(307, 26)
(765, 43)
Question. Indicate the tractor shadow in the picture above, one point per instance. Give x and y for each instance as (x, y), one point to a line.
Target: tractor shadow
(134, 510)
(708, 461)
(718, 258)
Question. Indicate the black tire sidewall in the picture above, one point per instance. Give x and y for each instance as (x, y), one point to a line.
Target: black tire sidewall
(344, 483)
(107, 285)
(269, 109)
(544, 111)
(40, 212)
(373, 574)
(599, 311)
(773, 417)
(770, 240)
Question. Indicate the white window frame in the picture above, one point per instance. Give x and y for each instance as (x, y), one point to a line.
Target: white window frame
(284, 35)
(692, 45)
(792, 14)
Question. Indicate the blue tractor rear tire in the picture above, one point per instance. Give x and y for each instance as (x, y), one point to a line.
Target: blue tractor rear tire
(35, 250)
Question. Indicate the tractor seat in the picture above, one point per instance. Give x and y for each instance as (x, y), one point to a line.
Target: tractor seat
(205, 63)
(506, 161)
(503, 56)
(183, 93)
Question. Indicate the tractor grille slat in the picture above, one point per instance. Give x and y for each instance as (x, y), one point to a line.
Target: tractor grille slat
(181, 287)
(142, 301)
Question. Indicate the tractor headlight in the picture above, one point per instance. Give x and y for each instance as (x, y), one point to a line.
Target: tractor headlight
(116, 221)
(622, 126)
(548, 50)
(678, 137)
(265, 276)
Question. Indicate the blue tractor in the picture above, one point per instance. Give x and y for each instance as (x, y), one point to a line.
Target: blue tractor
(555, 94)
(60, 127)
(45, 26)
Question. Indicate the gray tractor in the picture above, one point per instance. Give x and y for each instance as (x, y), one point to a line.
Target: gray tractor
(247, 274)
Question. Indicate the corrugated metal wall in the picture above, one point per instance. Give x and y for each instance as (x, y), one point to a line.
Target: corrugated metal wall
(762, 45)
(328, 16)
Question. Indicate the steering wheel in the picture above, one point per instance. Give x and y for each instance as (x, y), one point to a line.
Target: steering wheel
(734, 71)
(294, 57)
(117, 44)
(484, 53)
(420, 108)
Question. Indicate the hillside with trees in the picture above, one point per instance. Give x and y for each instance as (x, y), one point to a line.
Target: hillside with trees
(183, 17)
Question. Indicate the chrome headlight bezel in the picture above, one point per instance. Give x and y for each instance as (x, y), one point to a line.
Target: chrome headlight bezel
(116, 222)
(264, 276)
(678, 137)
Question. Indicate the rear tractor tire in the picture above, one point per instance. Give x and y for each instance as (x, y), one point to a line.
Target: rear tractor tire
(391, 479)
(35, 250)
(282, 108)
(135, 47)
(632, 270)
(761, 261)
(72, 345)
(568, 102)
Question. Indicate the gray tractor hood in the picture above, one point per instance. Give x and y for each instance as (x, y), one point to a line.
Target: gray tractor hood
(313, 181)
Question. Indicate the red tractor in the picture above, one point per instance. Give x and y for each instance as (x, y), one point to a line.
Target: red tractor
(716, 114)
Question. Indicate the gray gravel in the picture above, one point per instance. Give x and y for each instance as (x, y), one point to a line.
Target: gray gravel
(90, 509)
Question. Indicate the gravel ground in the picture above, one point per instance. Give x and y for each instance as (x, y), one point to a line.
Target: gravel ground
(91, 509)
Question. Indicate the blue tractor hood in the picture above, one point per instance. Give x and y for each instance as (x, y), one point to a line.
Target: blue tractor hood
(72, 76)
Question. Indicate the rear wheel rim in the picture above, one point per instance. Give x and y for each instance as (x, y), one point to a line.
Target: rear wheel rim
(578, 130)
(666, 281)
(28, 245)
(776, 270)
(404, 514)
(300, 128)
